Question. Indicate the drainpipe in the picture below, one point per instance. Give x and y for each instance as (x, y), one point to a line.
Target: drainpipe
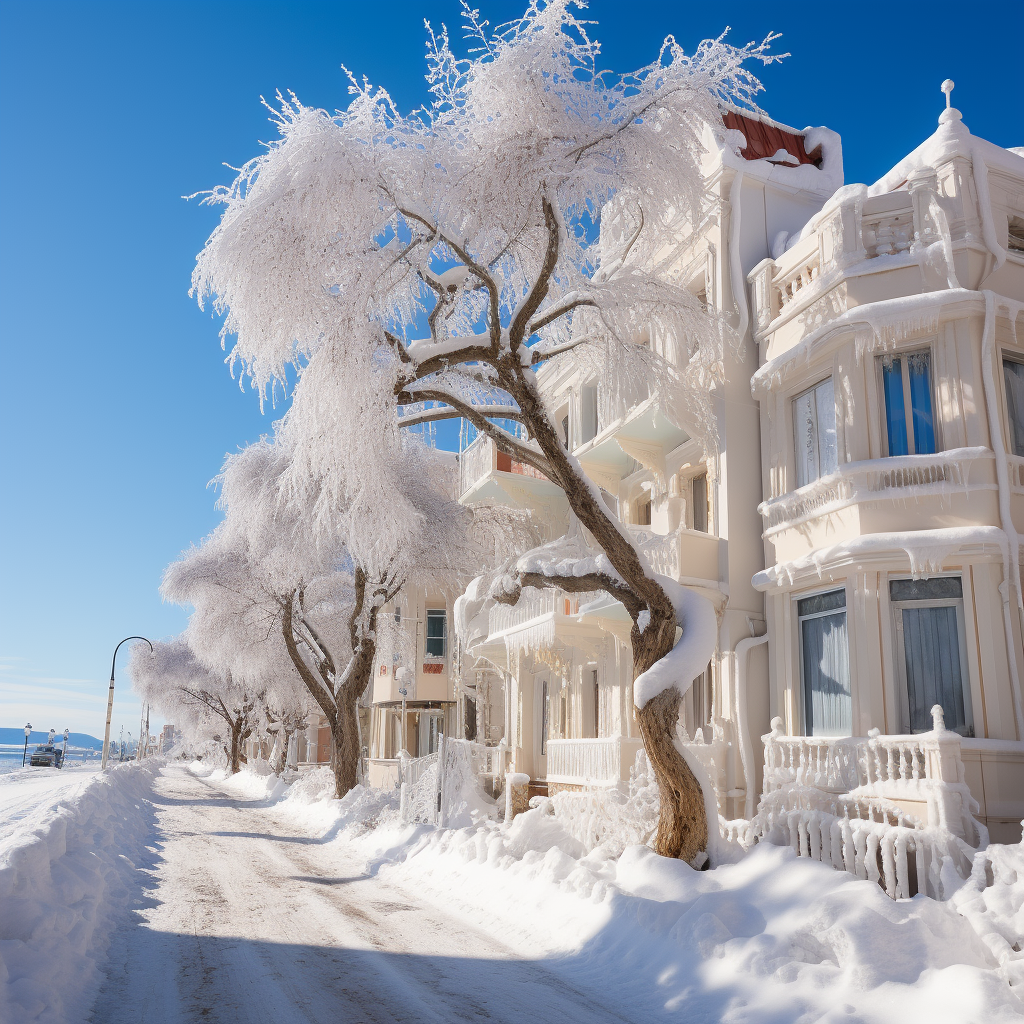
(1011, 562)
(742, 656)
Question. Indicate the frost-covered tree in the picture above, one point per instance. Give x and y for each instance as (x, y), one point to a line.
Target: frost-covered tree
(425, 266)
(172, 679)
(281, 600)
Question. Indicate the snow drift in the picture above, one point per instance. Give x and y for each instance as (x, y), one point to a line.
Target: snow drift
(65, 876)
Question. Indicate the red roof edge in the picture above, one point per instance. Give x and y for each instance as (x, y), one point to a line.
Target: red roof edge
(765, 139)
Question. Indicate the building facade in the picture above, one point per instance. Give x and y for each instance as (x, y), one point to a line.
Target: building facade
(855, 525)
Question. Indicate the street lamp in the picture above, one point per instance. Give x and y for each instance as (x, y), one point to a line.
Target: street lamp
(110, 698)
(24, 753)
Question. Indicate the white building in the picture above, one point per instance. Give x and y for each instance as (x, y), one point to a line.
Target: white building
(855, 527)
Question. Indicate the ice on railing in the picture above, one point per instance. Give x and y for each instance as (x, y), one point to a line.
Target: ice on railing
(898, 478)
(590, 760)
(838, 800)
(446, 788)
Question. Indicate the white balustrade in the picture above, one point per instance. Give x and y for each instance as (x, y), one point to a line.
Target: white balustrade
(844, 801)
(605, 760)
(475, 462)
(871, 480)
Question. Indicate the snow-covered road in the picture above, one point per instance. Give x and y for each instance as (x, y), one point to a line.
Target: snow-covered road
(253, 919)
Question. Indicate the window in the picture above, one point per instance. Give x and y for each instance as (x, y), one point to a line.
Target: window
(1013, 377)
(588, 413)
(1015, 234)
(597, 702)
(814, 432)
(700, 701)
(699, 495)
(907, 387)
(929, 623)
(825, 664)
(545, 717)
(643, 511)
(437, 633)
(565, 430)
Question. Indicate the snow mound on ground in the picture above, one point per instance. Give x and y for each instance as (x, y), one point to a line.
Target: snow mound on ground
(65, 875)
(992, 899)
(772, 938)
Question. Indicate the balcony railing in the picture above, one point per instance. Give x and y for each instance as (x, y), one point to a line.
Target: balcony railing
(684, 554)
(535, 604)
(897, 479)
(482, 457)
(603, 761)
(856, 229)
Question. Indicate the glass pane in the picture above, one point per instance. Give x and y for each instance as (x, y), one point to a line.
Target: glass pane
(895, 412)
(943, 588)
(700, 503)
(436, 634)
(821, 603)
(828, 707)
(825, 406)
(545, 721)
(588, 426)
(805, 440)
(919, 369)
(1013, 375)
(932, 650)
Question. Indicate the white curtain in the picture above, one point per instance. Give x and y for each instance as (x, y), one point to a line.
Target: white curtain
(826, 667)
(932, 649)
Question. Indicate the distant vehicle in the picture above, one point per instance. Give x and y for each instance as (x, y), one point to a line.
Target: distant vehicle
(47, 755)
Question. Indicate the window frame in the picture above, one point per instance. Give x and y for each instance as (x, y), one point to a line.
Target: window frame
(798, 620)
(900, 651)
(904, 356)
(1016, 357)
(435, 613)
(827, 379)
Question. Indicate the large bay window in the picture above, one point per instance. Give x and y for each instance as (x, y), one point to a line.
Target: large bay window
(928, 617)
(909, 417)
(814, 432)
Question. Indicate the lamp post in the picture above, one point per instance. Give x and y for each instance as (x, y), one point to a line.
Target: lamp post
(110, 698)
(24, 753)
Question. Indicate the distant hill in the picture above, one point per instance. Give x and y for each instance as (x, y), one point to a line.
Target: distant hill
(16, 737)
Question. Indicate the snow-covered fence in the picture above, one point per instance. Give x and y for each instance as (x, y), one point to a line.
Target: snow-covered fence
(893, 809)
(446, 788)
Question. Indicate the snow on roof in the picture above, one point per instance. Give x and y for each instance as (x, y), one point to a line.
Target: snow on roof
(952, 138)
(810, 159)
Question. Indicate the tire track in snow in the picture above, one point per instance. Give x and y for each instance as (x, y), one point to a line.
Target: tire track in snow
(251, 920)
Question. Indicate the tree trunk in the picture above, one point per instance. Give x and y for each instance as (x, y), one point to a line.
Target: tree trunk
(682, 825)
(683, 821)
(236, 733)
(345, 738)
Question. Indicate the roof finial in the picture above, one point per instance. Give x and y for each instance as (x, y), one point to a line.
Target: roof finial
(950, 113)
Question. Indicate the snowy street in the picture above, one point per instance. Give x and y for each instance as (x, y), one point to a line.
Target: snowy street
(172, 893)
(253, 919)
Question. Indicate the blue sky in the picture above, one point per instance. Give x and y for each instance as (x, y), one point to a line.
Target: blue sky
(117, 408)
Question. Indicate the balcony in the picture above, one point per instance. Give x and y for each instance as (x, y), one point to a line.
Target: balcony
(826, 273)
(902, 493)
(485, 473)
(689, 556)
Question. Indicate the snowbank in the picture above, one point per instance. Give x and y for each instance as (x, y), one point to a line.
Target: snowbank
(770, 938)
(65, 876)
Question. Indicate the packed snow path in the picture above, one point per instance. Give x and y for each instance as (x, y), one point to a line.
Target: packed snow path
(252, 919)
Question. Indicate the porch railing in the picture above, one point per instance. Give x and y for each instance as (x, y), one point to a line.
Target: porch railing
(603, 761)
